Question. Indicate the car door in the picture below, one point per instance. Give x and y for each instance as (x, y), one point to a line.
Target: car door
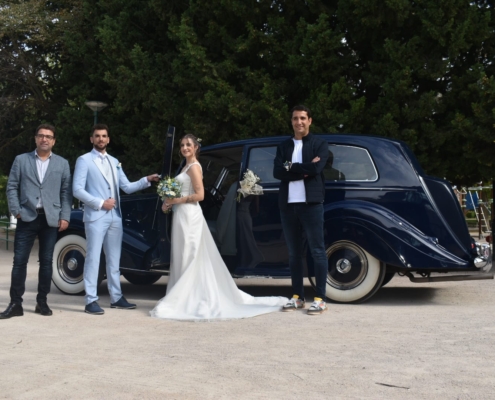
(159, 258)
(262, 250)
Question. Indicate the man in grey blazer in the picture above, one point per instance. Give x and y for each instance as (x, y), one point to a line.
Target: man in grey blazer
(39, 194)
(97, 180)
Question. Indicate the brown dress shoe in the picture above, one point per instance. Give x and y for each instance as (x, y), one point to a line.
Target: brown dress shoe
(13, 310)
(43, 309)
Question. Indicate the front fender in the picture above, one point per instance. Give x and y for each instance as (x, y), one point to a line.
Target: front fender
(136, 249)
(387, 237)
(76, 224)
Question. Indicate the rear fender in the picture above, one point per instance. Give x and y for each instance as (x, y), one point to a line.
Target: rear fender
(386, 236)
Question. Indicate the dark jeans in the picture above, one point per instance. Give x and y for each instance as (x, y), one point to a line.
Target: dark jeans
(25, 234)
(308, 218)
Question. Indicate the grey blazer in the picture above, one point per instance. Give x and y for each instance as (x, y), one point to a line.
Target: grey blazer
(24, 189)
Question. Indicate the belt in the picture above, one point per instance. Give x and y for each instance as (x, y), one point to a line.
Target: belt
(40, 210)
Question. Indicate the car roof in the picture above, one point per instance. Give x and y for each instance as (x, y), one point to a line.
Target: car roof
(356, 139)
(376, 144)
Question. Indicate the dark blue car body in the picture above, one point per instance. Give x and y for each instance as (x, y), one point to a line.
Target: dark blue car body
(382, 216)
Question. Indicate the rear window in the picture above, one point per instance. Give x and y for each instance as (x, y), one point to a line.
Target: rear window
(349, 163)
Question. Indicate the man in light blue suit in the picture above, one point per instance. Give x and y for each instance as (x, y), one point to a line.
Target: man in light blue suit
(97, 180)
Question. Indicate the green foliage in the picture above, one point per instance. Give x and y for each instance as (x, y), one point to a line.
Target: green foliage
(30, 62)
(4, 206)
(419, 66)
(470, 214)
(417, 71)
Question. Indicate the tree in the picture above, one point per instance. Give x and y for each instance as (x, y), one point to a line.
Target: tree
(417, 71)
(30, 45)
(221, 75)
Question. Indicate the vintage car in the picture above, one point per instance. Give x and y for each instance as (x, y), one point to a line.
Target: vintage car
(383, 216)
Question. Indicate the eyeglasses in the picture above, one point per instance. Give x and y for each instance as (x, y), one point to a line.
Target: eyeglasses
(47, 137)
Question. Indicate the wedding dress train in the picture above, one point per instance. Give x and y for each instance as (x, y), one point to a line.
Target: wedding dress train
(200, 286)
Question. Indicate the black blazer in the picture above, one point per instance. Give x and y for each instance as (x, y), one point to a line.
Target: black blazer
(314, 182)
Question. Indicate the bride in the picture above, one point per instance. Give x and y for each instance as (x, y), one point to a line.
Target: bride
(200, 286)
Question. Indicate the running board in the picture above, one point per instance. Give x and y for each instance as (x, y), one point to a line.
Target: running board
(147, 271)
(160, 271)
(449, 278)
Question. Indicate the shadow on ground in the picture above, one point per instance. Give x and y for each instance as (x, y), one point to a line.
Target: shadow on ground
(399, 296)
(386, 296)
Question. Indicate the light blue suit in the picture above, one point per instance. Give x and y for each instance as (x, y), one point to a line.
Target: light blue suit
(103, 227)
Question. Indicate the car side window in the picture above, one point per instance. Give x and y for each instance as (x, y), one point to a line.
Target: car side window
(219, 177)
(211, 173)
(349, 163)
(231, 177)
(261, 163)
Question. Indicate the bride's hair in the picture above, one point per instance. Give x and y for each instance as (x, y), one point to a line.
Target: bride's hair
(195, 141)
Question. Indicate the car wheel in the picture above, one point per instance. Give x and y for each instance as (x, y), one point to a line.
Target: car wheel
(68, 264)
(388, 278)
(354, 275)
(138, 279)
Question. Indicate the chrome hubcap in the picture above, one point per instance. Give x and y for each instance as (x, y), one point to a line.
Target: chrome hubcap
(72, 264)
(347, 265)
(343, 266)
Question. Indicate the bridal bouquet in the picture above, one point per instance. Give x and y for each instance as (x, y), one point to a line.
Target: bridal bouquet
(249, 185)
(168, 188)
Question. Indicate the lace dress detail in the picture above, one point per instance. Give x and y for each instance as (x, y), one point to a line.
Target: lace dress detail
(200, 287)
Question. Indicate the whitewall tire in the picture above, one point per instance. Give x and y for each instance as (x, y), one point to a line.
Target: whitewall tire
(69, 256)
(353, 275)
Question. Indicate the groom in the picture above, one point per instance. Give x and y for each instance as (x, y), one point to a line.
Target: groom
(97, 179)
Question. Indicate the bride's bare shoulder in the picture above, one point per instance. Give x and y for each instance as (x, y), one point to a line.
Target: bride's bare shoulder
(196, 166)
(195, 169)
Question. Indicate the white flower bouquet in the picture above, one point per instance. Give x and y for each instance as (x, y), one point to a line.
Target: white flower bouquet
(249, 185)
(169, 188)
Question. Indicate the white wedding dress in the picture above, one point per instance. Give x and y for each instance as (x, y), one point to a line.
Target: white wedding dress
(200, 286)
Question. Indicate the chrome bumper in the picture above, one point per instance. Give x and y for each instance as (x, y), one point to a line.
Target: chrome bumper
(484, 259)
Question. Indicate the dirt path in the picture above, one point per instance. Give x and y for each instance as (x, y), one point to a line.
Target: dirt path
(410, 341)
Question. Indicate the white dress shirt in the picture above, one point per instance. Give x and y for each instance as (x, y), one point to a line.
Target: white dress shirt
(107, 170)
(41, 166)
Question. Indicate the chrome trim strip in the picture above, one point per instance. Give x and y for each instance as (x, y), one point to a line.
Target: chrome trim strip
(378, 189)
(350, 188)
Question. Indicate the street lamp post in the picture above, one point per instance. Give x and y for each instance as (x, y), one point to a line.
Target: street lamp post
(96, 106)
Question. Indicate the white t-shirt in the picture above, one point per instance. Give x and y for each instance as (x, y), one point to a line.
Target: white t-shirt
(297, 191)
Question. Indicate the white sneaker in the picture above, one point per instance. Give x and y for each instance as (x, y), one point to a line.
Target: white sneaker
(317, 307)
(294, 304)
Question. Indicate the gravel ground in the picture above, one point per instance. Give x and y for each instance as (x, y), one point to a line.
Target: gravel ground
(410, 341)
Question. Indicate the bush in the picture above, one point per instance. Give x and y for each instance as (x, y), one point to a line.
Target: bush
(470, 214)
(4, 207)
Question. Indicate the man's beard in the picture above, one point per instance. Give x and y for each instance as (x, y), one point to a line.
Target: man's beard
(99, 146)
